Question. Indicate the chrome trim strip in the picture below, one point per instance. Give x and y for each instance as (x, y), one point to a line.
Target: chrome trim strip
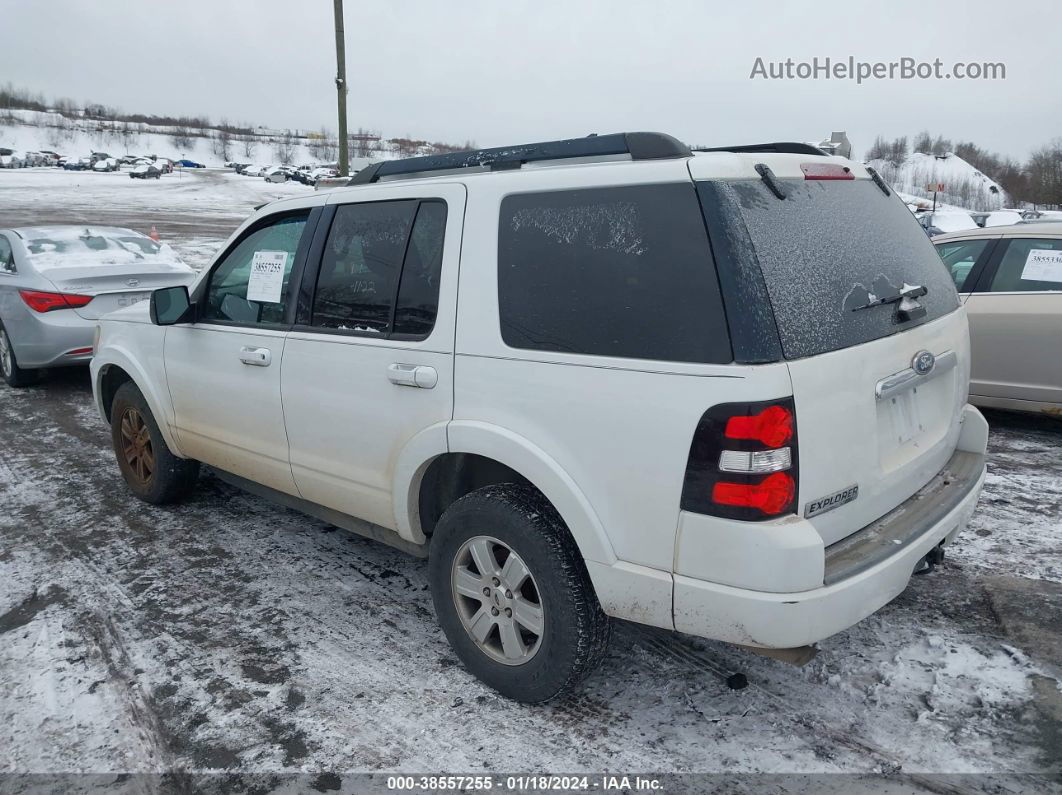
(892, 385)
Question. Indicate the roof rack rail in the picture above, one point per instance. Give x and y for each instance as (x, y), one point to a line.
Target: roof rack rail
(639, 145)
(781, 147)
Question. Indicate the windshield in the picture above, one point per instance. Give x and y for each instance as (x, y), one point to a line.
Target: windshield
(835, 255)
(55, 248)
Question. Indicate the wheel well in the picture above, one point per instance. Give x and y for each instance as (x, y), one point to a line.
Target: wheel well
(453, 475)
(110, 381)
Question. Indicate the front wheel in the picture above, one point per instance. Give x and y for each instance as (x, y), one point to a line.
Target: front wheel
(512, 594)
(153, 473)
(14, 375)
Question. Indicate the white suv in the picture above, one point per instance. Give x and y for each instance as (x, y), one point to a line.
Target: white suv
(718, 392)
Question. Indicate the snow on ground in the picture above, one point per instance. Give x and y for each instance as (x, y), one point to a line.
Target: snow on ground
(226, 634)
(195, 210)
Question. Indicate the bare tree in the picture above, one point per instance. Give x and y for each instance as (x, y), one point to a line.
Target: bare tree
(284, 148)
(249, 144)
(923, 143)
(222, 144)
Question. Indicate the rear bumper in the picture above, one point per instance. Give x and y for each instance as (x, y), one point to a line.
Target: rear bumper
(45, 339)
(862, 573)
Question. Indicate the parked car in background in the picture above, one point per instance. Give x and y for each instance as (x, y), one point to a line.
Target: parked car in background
(51, 158)
(78, 164)
(189, 164)
(57, 281)
(719, 393)
(128, 160)
(145, 171)
(11, 158)
(1002, 218)
(95, 157)
(108, 164)
(1010, 280)
(944, 221)
(163, 164)
(280, 174)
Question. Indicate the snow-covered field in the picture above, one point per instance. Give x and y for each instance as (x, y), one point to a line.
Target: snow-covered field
(226, 634)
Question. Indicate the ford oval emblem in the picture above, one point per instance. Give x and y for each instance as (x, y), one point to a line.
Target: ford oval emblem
(133, 282)
(923, 363)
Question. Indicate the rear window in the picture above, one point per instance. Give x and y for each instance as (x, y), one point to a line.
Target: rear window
(621, 272)
(826, 252)
(61, 248)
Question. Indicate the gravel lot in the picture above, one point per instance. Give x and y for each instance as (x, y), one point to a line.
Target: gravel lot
(227, 634)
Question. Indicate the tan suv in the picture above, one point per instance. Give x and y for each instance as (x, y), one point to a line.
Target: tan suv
(1010, 279)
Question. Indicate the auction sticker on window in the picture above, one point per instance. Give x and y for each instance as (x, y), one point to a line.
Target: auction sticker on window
(1043, 265)
(267, 276)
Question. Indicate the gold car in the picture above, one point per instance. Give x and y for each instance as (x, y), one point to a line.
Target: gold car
(1010, 279)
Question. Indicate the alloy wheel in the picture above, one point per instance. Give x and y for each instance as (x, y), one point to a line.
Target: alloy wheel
(498, 600)
(136, 446)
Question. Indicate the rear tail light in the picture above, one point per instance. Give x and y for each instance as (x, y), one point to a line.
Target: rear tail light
(46, 302)
(743, 462)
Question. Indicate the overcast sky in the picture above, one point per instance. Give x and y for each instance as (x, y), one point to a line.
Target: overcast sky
(520, 70)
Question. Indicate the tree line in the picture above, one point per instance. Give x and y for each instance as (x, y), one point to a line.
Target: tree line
(228, 140)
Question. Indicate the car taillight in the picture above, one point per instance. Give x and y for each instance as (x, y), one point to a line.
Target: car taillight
(743, 462)
(46, 302)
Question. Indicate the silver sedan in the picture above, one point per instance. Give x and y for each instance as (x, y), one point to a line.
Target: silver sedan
(56, 281)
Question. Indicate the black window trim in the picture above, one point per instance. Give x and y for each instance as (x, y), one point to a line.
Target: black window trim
(198, 298)
(973, 277)
(303, 318)
(988, 275)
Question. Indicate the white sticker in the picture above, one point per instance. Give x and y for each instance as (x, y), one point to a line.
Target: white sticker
(1043, 265)
(267, 276)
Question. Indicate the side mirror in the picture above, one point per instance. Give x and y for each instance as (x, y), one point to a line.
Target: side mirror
(170, 305)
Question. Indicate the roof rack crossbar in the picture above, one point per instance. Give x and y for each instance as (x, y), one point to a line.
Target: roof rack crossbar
(780, 147)
(639, 145)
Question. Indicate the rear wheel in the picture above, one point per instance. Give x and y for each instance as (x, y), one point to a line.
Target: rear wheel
(13, 374)
(154, 474)
(512, 594)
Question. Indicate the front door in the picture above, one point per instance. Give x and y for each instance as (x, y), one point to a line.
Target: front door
(370, 365)
(223, 370)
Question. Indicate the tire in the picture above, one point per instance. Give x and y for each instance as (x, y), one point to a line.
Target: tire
(504, 520)
(153, 473)
(14, 375)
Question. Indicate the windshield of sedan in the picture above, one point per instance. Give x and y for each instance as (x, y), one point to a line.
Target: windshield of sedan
(88, 246)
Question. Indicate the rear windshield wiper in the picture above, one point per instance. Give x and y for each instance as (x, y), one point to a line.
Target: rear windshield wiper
(908, 309)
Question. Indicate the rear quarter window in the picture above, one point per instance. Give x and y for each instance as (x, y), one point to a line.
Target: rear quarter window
(827, 249)
(624, 272)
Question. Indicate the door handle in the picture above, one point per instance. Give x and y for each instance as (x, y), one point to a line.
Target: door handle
(418, 375)
(258, 357)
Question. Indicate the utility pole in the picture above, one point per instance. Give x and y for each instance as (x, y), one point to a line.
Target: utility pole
(341, 88)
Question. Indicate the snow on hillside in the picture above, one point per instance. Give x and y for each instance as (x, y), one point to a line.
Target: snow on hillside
(29, 130)
(964, 185)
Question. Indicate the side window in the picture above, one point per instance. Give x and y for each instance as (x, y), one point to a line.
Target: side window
(959, 257)
(251, 284)
(610, 271)
(1029, 265)
(381, 267)
(418, 293)
(7, 256)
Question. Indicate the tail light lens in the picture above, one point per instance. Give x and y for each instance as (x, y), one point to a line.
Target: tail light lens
(743, 462)
(46, 302)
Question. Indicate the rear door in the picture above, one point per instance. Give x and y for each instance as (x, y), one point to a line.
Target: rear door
(835, 257)
(1016, 322)
(369, 365)
(223, 371)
